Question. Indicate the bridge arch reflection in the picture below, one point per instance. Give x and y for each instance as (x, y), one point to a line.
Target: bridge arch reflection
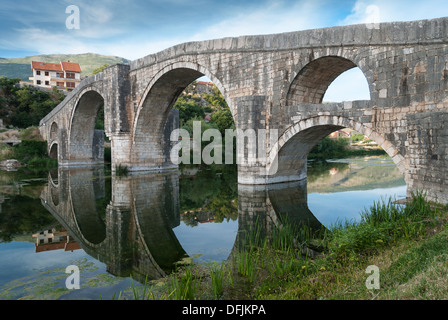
(136, 235)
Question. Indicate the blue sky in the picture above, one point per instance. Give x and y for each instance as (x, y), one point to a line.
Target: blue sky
(135, 28)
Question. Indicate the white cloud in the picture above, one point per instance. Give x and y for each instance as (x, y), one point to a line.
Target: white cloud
(276, 17)
(364, 11)
(43, 41)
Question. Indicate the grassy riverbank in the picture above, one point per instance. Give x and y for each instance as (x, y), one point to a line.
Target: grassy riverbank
(329, 148)
(29, 149)
(408, 244)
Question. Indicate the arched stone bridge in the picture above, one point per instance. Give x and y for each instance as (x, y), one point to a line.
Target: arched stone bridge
(275, 82)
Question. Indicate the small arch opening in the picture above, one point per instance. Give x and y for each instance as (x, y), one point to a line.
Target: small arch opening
(54, 131)
(316, 80)
(53, 154)
(87, 142)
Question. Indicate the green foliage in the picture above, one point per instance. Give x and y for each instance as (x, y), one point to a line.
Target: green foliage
(185, 286)
(329, 148)
(13, 221)
(99, 124)
(34, 154)
(385, 221)
(363, 238)
(26, 106)
(29, 149)
(216, 99)
(223, 119)
(217, 275)
(355, 137)
(100, 69)
(188, 110)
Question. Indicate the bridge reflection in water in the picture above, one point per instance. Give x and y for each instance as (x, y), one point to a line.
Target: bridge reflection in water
(134, 235)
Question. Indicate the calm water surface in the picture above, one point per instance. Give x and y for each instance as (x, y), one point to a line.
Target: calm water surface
(114, 228)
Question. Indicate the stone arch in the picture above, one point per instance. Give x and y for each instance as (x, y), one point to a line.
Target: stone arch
(53, 187)
(54, 130)
(82, 135)
(288, 156)
(155, 106)
(54, 151)
(310, 83)
(82, 198)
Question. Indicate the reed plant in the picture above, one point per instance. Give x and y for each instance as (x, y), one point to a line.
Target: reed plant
(184, 286)
(217, 277)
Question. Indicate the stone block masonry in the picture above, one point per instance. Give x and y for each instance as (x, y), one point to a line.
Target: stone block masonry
(276, 82)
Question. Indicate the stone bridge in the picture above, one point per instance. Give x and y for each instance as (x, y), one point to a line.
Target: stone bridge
(274, 84)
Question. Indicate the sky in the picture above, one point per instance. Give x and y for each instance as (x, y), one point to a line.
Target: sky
(135, 28)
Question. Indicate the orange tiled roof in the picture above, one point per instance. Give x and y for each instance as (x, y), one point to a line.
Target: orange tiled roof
(36, 65)
(71, 66)
(63, 66)
(205, 83)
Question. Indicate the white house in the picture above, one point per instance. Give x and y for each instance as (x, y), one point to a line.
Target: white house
(65, 75)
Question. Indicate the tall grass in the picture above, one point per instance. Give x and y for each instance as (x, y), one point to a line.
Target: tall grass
(185, 286)
(217, 278)
(384, 222)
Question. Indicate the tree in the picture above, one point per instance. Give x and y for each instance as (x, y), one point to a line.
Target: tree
(188, 110)
(223, 119)
(99, 69)
(216, 99)
(26, 106)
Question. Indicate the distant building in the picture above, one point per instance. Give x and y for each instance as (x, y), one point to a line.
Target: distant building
(65, 75)
(204, 87)
(52, 239)
(344, 133)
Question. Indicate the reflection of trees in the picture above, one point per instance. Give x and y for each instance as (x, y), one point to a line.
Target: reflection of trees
(317, 169)
(23, 215)
(211, 195)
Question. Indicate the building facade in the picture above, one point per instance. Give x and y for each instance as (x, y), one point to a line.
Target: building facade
(65, 75)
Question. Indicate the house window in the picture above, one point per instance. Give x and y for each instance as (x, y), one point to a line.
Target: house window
(70, 75)
(47, 73)
(38, 72)
(60, 84)
(39, 82)
(47, 83)
(60, 75)
(70, 84)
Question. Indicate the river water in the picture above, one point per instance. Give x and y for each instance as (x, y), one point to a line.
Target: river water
(118, 230)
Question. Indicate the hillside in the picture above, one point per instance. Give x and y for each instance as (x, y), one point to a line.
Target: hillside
(21, 67)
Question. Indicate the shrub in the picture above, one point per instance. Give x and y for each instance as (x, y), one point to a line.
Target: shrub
(29, 149)
(361, 238)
